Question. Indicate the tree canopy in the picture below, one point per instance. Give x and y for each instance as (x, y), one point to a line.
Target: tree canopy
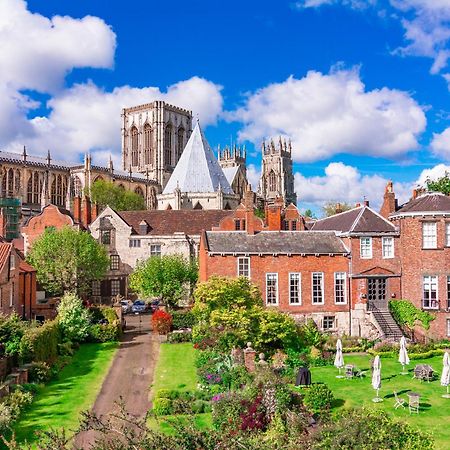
(332, 208)
(169, 277)
(442, 184)
(67, 260)
(106, 193)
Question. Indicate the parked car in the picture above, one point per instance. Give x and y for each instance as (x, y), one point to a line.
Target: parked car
(154, 305)
(126, 306)
(139, 306)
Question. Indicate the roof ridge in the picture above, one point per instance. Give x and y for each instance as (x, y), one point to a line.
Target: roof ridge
(339, 214)
(363, 208)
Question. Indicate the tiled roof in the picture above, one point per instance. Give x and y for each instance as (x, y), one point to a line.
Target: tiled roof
(197, 169)
(166, 222)
(358, 220)
(25, 267)
(5, 250)
(269, 242)
(230, 173)
(36, 160)
(429, 202)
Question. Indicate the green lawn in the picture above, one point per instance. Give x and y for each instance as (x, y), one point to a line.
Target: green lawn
(59, 404)
(175, 368)
(434, 413)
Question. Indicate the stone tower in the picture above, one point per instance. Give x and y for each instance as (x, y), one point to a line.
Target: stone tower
(232, 160)
(153, 138)
(277, 178)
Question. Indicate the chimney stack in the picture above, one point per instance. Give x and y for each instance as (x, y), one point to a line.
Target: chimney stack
(390, 203)
(338, 209)
(273, 215)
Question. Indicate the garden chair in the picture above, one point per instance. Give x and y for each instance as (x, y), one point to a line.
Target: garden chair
(360, 373)
(414, 405)
(349, 373)
(399, 401)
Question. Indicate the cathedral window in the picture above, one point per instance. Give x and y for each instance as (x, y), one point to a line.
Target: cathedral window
(168, 145)
(10, 181)
(180, 142)
(57, 191)
(134, 146)
(272, 181)
(30, 190)
(148, 142)
(139, 191)
(34, 188)
(77, 187)
(17, 181)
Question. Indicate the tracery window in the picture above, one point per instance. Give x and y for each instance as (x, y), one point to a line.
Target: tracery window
(168, 145)
(272, 181)
(17, 181)
(134, 147)
(58, 190)
(10, 187)
(34, 188)
(139, 191)
(148, 142)
(77, 186)
(180, 142)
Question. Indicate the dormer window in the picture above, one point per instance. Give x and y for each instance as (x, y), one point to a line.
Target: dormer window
(143, 227)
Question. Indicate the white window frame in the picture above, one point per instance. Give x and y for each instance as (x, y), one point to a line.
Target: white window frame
(447, 234)
(430, 280)
(238, 266)
(429, 238)
(448, 327)
(322, 286)
(153, 253)
(269, 274)
(135, 243)
(369, 247)
(11, 296)
(344, 287)
(333, 325)
(385, 239)
(299, 288)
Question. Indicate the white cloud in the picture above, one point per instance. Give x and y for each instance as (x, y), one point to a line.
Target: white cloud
(86, 117)
(440, 144)
(344, 183)
(328, 114)
(253, 176)
(39, 52)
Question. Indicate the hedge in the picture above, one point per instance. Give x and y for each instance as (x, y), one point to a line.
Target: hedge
(41, 343)
(412, 356)
(182, 319)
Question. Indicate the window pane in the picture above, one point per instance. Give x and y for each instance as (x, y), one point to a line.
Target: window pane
(339, 287)
(429, 232)
(388, 247)
(447, 234)
(244, 267)
(294, 289)
(155, 250)
(114, 262)
(272, 288)
(430, 285)
(115, 287)
(328, 322)
(448, 292)
(317, 287)
(366, 247)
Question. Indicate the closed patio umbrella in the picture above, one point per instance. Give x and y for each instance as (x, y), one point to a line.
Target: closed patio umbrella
(339, 359)
(445, 377)
(403, 357)
(376, 378)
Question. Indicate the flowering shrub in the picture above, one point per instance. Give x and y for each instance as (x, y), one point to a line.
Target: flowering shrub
(318, 398)
(161, 322)
(254, 416)
(73, 318)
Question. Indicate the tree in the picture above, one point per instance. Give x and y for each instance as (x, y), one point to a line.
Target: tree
(442, 184)
(308, 213)
(106, 193)
(169, 277)
(73, 318)
(68, 260)
(331, 208)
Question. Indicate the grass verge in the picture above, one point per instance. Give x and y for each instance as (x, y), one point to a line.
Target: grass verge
(59, 403)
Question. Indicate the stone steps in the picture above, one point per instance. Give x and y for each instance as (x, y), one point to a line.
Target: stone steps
(388, 325)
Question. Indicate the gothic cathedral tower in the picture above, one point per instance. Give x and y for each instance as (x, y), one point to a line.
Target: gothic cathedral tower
(153, 138)
(277, 179)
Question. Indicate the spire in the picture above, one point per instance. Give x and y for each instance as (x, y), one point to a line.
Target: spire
(49, 158)
(111, 166)
(24, 154)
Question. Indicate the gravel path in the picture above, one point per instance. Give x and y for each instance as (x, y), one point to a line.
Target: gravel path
(130, 375)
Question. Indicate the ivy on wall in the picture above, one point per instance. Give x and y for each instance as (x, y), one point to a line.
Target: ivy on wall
(405, 313)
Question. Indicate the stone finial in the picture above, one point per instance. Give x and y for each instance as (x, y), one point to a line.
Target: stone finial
(24, 154)
(49, 158)
(249, 357)
(262, 360)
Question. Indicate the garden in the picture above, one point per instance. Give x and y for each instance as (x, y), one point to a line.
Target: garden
(234, 383)
(57, 367)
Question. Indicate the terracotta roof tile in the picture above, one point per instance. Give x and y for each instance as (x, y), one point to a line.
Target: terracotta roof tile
(190, 222)
(5, 250)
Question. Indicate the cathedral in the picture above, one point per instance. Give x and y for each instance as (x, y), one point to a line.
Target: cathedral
(166, 162)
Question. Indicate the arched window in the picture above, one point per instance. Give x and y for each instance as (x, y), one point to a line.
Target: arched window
(180, 142)
(30, 189)
(134, 147)
(34, 188)
(139, 191)
(272, 181)
(57, 191)
(77, 186)
(148, 144)
(17, 181)
(10, 188)
(168, 145)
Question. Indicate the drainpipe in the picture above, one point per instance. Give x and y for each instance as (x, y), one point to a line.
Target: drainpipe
(350, 300)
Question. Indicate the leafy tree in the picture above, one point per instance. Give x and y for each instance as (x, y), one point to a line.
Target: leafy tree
(169, 277)
(308, 213)
(106, 193)
(73, 318)
(68, 260)
(331, 208)
(440, 185)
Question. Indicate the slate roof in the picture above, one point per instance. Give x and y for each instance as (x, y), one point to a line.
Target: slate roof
(166, 222)
(230, 173)
(198, 169)
(425, 203)
(269, 242)
(358, 220)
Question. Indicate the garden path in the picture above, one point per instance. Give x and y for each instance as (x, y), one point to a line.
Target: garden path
(130, 376)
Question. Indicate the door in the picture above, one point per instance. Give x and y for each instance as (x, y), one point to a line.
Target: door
(376, 294)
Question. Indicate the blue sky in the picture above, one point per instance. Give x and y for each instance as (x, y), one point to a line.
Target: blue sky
(361, 86)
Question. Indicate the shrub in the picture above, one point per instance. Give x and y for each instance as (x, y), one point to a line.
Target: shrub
(104, 333)
(74, 318)
(17, 400)
(162, 406)
(39, 372)
(318, 398)
(167, 393)
(182, 319)
(40, 343)
(310, 335)
(226, 411)
(405, 313)
(66, 348)
(101, 313)
(175, 338)
(161, 321)
(370, 429)
(6, 417)
(12, 328)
